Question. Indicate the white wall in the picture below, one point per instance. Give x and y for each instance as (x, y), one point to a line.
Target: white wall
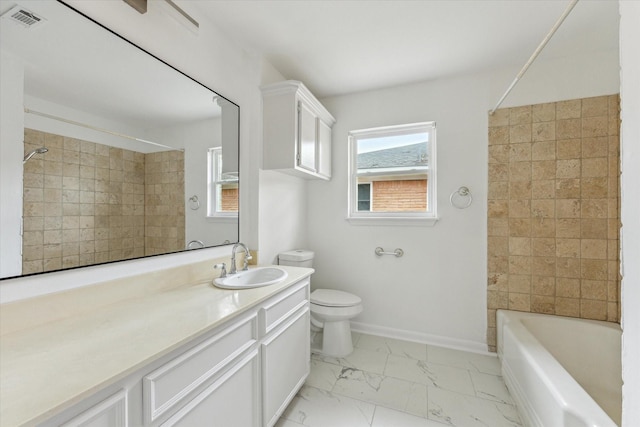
(11, 153)
(437, 291)
(630, 158)
(283, 214)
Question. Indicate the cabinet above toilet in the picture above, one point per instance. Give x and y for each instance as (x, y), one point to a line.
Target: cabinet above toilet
(296, 131)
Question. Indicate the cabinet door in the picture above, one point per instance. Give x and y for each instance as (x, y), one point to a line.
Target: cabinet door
(285, 365)
(112, 412)
(307, 134)
(324, 149)
(230, 401)
(165, 388)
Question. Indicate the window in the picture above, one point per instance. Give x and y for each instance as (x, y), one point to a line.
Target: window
(222, 188)
(392, 175)
(364, 197)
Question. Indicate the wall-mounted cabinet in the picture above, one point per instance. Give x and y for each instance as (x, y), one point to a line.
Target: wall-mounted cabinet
(296, 131)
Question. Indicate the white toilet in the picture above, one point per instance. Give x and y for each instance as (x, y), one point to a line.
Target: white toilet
(331, 310)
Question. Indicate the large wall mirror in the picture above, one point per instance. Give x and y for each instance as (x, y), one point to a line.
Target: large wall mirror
(107, 153)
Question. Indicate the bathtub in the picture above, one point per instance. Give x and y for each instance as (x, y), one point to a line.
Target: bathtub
(561, 371)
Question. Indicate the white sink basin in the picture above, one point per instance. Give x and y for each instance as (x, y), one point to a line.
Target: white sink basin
(254, 278)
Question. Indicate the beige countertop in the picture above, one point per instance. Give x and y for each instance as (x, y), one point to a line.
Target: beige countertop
(54, 364)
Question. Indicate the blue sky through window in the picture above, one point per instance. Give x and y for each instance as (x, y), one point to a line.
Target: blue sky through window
(382, 143)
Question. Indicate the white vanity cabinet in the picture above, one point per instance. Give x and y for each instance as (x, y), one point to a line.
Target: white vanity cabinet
(231, 400)
(296, 131)
(243, 373)
(285, 350)
(112, 412)
(207, 379)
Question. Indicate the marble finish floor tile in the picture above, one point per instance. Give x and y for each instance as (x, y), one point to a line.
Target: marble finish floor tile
(431, 374)
(361, 359)
(379, 389)
(313, 407)
(408, 349)
(460, 410)
(385, 417)
(323, 375)
(487, 364)
(491, 387)
(282, 422)
(387, 382)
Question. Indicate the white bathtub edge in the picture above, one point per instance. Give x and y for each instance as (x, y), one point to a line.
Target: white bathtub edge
(527, 415)
(565, 391)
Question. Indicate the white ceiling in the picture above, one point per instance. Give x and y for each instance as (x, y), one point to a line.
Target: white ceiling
(337, 47)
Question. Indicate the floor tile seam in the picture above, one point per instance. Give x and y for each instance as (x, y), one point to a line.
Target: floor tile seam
(388, 349)
(376, 404)
(466, 369)
(404, 356)
(488, 401)
(430, 383)
(413, 383)
(439, 363)
(450, 391)
(473, 383)
(404, 410)
(383, 375)
(467, 356)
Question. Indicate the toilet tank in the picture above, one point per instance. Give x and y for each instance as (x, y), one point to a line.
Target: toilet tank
(296, 258)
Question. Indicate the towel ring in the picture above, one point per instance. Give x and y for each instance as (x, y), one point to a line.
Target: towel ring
(194, 203)
(461, 193)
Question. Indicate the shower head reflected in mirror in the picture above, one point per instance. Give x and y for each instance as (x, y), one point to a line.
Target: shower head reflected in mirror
(40, 150)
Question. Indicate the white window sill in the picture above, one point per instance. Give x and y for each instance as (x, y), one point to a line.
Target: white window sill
(397, 221)
(223, 219)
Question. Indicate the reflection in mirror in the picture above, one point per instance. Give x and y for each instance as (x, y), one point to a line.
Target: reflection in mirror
(114, 154)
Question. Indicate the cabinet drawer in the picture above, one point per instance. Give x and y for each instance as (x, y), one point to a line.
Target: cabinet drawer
(279, 308)
(166, 386)
(111, 412)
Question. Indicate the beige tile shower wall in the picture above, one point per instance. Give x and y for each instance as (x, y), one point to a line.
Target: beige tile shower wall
(553, 210)
(164, 202)
(83, 203)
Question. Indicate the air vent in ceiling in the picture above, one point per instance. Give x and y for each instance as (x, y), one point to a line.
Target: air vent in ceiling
(24, 17)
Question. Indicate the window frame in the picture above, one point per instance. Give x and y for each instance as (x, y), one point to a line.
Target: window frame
(427, 218)
(214, 185)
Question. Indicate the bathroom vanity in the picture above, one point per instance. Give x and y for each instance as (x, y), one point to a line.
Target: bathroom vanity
(174, 356)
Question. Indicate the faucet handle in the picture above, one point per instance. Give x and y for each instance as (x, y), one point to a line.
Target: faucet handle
(223, 267)
(247, 258)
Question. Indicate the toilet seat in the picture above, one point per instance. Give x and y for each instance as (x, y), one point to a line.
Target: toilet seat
(333, 298)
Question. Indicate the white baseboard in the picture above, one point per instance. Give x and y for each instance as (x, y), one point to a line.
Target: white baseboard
(437, 340)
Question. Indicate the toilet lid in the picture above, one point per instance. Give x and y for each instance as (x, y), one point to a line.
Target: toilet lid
(333, 298)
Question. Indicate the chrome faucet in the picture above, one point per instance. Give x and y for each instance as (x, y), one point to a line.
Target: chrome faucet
(247, 258)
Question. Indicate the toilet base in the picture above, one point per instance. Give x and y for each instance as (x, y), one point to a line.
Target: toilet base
(336, 340)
